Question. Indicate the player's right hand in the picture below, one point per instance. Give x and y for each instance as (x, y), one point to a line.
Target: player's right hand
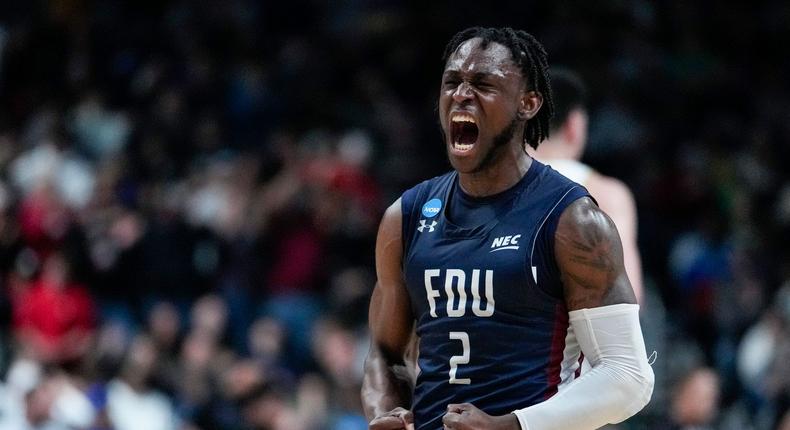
(396, 419)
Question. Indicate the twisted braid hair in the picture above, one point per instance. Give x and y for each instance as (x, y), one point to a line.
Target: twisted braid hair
(531, 57)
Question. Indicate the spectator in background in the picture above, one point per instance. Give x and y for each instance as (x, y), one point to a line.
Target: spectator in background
(46, 399)
(132, 402)
(54, 317)
(339, 357)
(44, 220)
(695, 401)
(268, 408)
(164, 328)
(202, 360)
(763, 356)
(266, 344)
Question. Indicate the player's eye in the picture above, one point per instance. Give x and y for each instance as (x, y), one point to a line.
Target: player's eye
(483, 85)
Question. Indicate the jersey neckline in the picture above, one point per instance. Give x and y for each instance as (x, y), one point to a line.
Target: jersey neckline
(513, 193)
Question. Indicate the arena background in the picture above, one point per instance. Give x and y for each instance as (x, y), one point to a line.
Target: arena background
(189, 194)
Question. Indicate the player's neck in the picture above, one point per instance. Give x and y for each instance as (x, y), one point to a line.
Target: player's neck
(499, 176)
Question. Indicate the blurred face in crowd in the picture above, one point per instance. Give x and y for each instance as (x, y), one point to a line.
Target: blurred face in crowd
(55, 271)
(140, 361)
(164, 324)
(242, 378)
(266, 338)
(209, 316)
(483, 105)
(696, 399)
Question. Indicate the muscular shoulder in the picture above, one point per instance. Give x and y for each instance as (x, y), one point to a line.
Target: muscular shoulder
(390, 314)
(390, 234)
(589, 256)
(584, 223)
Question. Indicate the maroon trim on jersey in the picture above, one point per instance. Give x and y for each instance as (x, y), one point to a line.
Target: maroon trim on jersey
(579, 369)
(557, 350)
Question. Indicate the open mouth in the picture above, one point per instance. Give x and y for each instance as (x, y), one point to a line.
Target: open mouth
(463, 132)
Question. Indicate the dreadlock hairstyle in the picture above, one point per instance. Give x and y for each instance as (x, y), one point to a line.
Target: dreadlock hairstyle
(530, 56)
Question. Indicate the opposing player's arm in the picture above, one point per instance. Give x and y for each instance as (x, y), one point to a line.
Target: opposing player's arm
(605, 318)
(386, 386)
(617, 201)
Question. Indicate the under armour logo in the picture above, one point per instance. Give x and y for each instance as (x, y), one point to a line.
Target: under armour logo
(424, 224)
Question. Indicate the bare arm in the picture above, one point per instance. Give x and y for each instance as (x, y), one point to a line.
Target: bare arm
(605, 319)
(386, 386)
(590, 258)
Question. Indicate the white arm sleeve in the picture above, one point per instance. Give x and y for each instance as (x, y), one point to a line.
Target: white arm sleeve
(619, 384)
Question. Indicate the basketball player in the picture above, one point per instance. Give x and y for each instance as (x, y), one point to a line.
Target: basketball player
(507, 270)
(563, 150)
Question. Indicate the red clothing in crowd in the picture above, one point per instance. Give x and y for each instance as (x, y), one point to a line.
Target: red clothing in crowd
(55, 321)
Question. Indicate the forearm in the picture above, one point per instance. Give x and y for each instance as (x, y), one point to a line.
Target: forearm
(386, 384)
(619, 384)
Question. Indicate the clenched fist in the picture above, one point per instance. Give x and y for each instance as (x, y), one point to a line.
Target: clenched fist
(396, 419)
(466, 416)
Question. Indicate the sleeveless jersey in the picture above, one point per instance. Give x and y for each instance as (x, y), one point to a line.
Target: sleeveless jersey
(487, 299)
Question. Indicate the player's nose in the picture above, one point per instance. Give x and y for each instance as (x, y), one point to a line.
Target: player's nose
(462, 92)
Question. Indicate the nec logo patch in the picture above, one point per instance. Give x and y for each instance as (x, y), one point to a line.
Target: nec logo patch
(505, 242)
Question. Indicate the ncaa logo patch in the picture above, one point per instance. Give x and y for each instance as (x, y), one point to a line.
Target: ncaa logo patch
(431, 208)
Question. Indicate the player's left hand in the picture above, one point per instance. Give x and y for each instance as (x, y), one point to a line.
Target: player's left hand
(466, 416)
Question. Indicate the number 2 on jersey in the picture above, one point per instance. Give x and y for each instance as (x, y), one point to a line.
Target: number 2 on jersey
(459, 359)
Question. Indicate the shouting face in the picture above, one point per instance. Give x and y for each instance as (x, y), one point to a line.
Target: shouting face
(483, 105)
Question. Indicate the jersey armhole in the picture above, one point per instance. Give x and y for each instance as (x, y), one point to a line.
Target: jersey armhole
(407, 202)
(544, 238)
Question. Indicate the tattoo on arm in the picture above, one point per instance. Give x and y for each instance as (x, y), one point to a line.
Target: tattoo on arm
(590, 258)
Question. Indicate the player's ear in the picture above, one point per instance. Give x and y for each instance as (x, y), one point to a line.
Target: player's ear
(530, 104)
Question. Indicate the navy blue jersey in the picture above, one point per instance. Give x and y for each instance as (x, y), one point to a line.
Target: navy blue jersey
(487, 298)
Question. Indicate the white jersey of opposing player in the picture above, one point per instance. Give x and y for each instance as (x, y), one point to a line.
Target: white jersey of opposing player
(574, 170)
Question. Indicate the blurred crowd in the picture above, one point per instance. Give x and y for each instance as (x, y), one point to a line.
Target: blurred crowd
(190, 191)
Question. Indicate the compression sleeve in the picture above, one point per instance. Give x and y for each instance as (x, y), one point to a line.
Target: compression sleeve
(619, 384)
